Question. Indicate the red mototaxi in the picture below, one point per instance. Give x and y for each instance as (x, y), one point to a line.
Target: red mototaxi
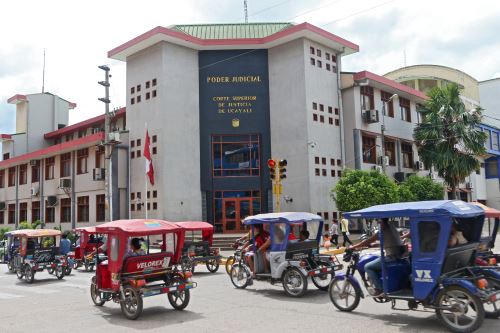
(84, 248)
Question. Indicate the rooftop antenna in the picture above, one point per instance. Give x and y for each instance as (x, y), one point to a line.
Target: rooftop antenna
(246, 10)
(43, 73)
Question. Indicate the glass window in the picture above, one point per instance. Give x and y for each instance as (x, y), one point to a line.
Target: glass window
(237, 158)
(23, 211)
(114, 248)
(390, 151)
(2, 178)
(428, 233)
(12, 176)
(65, 165)
(404, 105)
(100, 207)
(23, 174)
(82, 157)
(407, 151)
(49, 167)
(494, 140)
(35, 172)
(487, 142)
(367, 98)
(50, 213)
(35, 211)
(65, 210)
(388, 107)
(369, 149)
(279, 232)
(83, 209)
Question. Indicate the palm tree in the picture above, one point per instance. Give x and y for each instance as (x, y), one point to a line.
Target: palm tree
(449, 137)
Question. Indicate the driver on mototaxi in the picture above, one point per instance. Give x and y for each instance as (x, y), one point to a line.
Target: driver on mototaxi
(393, 247)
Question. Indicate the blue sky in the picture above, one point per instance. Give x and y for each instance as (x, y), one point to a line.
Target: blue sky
(77, 36)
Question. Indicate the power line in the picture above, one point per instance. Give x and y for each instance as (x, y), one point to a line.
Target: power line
(267, 8)
(315, 9)
(357, 13)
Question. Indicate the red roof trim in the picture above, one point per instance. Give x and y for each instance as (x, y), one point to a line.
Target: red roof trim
(16, 99)
(393, 84)
(5, 136)
(236, 41)
(53, 150)
(81, 125)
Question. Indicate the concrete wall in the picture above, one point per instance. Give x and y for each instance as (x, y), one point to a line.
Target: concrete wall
(489, 91)
(173, 117)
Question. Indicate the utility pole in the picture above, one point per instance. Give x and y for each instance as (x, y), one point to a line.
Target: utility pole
(107, 143)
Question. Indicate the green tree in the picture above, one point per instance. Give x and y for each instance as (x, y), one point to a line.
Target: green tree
(416, 188)
(2, 232)
(358, 189)
(30, 225)
(449, 138)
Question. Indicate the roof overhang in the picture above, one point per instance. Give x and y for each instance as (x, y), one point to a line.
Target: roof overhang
(85, 142)
(5, 137)
(303, 30)
(17, 98)
(383, 83)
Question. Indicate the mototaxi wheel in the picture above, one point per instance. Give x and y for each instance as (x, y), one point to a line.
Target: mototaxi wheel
(229, 263)
(492, 309)
(29, 274)
(187, 265)
(240, 275)
(75, 265)
(343, 294)
(131, 304)
(10, 266)
(95, 294)
(20, 273)
(294, 282)
(179, 299)
(59, 272)
(459, 310)
(50, 270)
(322, 281)
(212, 265)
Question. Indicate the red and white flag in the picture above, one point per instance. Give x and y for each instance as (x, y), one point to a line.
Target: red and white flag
(150, 172)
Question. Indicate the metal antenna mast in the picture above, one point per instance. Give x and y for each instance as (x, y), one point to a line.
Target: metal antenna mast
(43, 73)
(246, 10)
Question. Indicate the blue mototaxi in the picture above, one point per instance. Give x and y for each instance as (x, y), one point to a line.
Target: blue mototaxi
(10, 247)
(431, 275)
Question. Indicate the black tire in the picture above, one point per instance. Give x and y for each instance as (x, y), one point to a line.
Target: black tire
(240, 275)
(213, 265)
(294, 282)
(229, 263)
(75, 265)
(492, 310)
(343, 289)
(10, 266)
(95, 294)
(179, 299)
(68, 270)
(59, 272)
(20, 273)
(50, 270)
(322, 281)
(132, 304)
(455, 296)
(29, 274)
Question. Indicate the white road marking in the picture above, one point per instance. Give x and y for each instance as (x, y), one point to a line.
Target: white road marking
(9, 296)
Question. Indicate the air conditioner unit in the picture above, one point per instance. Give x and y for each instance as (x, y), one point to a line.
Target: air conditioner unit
(64, 183)
(383, 160)
(377, 168)
(469, 185)
(114, 137)
(34, 162)
(2, 205)
(418, 165)
(34, 191)
(399, 176)
(51, 201)
(99, 173)
(370, 116)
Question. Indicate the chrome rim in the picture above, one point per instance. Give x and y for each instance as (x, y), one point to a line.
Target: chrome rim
(178, 297)
(459, 310)
(294, 282)
(95, 294)
(239, 275)
(322, 280)
(130, 301)
(342, 293)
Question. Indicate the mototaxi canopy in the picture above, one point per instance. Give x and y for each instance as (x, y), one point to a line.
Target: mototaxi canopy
(138, 227)
(488, 211)
(207, 230)
(90, 230)
(285, 217)
(34, 233)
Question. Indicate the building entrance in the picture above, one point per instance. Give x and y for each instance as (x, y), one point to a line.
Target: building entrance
(231, 207)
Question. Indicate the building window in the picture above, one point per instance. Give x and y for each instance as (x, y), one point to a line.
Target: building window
(153, 93)
(367, 98)
(35, 172)
(404, 105)
(83, 209)
(155, 206)
(313, 61)
(388, 106)
(132, 144)
(321, 119)
(325, 215)
(235, 155)
(369, 149)
(132, 101)
(390, 151)
(23, 211)
(82, 133)
(494, 140)
(138, 88)
(35, 211)
(330, 120)
(334, 58)
(148, 95)
(323, 172)
(330, 109)
(154, 138)
(132, 207)
(320, 64)
(321, 107)
(132, 90)
(65, 163)
(99, 157)
(50, 214)
(2, 178)
(318, 52)
(138, 98)
(82, 156)
(332, 161)
(339, 162)
(339, 173)
(139, 206)
(316, 172)
(155, 194)
(69, 137)
(12, 214)
(138, 154)
(316, 160)
(332, 173)
(148, 194)
(336, 111)
(132, 154)
(154, 150)
(49, 167)
(153, 82)
(65, 210)
(315, 106)
(334, 69)
(311, 50)
(337, 122)
(323, 160)
(2, 217)
(23, 174)
(12, 177)
(6, 156)
(327, 67)
(315, 117)
(327, 56)
(407, 150)
(147, 84)
(138, 142)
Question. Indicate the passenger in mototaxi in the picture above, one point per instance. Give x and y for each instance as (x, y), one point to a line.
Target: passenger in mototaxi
(394, 251)
(262, 242)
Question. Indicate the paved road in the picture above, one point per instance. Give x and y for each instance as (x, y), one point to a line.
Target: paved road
(51, 305)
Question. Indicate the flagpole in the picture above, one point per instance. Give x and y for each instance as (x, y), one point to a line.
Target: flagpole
(146, 175)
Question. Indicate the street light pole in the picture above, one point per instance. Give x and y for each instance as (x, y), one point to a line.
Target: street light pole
(107, 143)
(382, 130)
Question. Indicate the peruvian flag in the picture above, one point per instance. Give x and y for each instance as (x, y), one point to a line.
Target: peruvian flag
(150, 172)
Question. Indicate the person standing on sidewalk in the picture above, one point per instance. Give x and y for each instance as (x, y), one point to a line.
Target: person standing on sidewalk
(344, 228)
(334, 233)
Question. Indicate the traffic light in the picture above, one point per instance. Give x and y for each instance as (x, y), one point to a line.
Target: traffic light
(272, 169)
(282, 164)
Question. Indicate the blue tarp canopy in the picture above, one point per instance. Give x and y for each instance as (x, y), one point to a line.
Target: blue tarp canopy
(285, 217)
(453, 208)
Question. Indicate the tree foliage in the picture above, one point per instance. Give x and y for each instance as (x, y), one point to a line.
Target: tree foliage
(358, 189)
(416, 188)
(30, 225)
(449, 138)
(2, 232)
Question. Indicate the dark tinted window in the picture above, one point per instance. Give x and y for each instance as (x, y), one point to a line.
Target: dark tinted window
(428, 233)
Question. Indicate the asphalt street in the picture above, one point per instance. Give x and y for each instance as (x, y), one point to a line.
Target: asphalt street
(51, 305)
